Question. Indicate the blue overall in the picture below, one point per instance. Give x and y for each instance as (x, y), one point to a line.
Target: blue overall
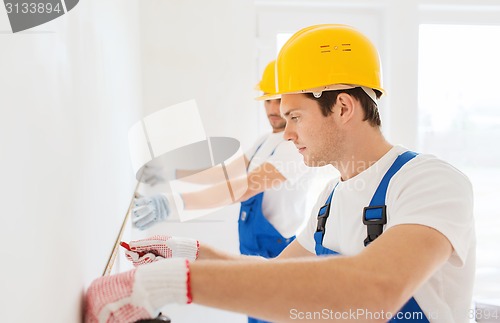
(257, 236)
(374, 217)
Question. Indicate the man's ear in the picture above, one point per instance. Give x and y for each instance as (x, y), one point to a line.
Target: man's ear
(346, 105)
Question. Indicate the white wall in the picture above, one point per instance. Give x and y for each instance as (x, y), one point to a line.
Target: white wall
(69, 90)
(203, 50)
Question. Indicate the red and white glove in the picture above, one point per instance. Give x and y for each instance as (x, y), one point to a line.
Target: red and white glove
(138, 294)
(157, 247)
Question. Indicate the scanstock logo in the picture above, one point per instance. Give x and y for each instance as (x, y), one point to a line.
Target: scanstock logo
(26, 14)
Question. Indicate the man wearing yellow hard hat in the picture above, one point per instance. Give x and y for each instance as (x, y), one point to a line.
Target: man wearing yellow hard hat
(391, 240)
(273, 205)
(269, 219)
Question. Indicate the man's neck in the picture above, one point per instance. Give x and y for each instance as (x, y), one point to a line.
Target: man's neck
(361, 155)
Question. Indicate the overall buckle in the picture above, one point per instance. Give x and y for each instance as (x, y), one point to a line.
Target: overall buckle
(323, 214)
(374, 217)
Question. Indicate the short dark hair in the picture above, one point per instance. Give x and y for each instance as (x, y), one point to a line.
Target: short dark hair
(328, 99)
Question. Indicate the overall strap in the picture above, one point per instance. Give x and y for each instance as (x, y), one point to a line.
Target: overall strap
(374, 215)
(323, 214)
(256, 150)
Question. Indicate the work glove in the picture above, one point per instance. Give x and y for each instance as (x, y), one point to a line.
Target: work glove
(159, 247)
(138, 294)
(152, 175)
(149, 210)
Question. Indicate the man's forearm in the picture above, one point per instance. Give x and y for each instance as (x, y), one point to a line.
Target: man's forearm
(210, 253)
(381, 278)
(278, 291)
(214, 174)
(214, 196)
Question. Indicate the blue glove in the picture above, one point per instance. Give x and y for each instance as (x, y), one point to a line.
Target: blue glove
(150, 210)
(152, 175)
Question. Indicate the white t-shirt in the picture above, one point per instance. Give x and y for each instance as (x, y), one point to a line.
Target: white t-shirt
(425, 191)
(285, 206)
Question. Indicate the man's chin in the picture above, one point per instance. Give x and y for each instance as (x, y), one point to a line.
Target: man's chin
(278, 126)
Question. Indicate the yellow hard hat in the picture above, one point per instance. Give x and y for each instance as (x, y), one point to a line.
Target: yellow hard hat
(268, 83)
(328, 57)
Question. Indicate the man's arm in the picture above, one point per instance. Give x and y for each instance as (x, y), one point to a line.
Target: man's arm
(149, 210)
(260, 179)
(293, 250)
(210, 253)
(210, 175)
(381, 278)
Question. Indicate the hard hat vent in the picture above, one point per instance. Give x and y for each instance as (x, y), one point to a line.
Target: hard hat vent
(328, 48)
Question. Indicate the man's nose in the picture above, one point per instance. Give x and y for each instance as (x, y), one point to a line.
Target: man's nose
(289, 133)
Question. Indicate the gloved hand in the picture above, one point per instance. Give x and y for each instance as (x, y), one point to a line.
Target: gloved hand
(152, 175)
(158, 247)
(139, 293)
(149, 210)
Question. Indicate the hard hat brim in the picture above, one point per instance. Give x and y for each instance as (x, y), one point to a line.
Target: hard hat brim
(268, 96)
(332, 87)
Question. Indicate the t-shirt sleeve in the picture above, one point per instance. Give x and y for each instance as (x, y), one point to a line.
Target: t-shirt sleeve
(288, 161)
(433, 193)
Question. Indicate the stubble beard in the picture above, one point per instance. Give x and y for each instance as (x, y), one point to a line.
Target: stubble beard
(331, 152)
